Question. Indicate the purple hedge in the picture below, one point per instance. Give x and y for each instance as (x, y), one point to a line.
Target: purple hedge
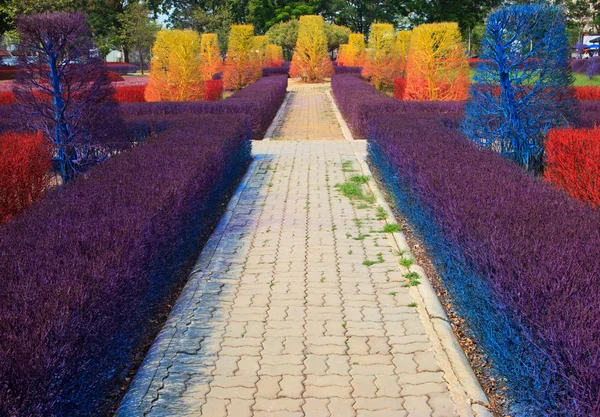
(122, 68)
(589, 113)
(589, 67)
(359, 102)
(520, 258)
(88, 268)
(270, 71)
(259, 102)
(342, 69)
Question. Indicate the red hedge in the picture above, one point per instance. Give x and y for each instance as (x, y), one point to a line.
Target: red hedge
(587, 93)
(24, 171)
(399, 88)
(7, 97)
(130, 93)
(135, 93)
(213, 90)
(114, 77)
(573, 162)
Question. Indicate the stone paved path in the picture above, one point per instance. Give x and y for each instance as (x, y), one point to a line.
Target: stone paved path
(309, 115)
(282, 315)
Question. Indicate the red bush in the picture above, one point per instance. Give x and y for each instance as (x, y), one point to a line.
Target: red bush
(213, 90)
(130, 93)
(573, 162)
(114, 77)
(399, 88)
(24, 171)
(7, 97)
(587, 93)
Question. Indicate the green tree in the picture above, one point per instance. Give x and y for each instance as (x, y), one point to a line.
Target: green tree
(358, 15)
(284, 34)
(263, 14)
(138, 30)
(336, 36)
(217, 21)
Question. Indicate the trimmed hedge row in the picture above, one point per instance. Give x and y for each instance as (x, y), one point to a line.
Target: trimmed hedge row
(87, 269)
(342, 69)
(259, 102)
(359, 102)
(573, 162)
(520, 258)
(270, 71)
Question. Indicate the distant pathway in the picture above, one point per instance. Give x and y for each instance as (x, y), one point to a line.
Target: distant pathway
(308, 115)
(297, 306)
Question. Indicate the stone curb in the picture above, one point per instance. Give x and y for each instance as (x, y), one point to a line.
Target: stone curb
(277, 118)
(436, 315)
(343, 125)
(138, 399)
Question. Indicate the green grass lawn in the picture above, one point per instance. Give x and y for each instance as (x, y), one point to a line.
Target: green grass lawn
(583, 80)
(580, 80)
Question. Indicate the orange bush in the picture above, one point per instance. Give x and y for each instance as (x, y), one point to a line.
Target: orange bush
(114, 77)
(241, 66)
(573, 162)
(311, 58)
(210, 56)
(380, 66)
(175, 70)
(437, 67)
(587, 93)
(25, 163)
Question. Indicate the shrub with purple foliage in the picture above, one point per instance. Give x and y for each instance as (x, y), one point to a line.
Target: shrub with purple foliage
(589, 67)
(259, 101)
(589, 114)
(122, 68)
(88, 269)
(270, 71)
(359, 101)
(520, 259)
(342, 69)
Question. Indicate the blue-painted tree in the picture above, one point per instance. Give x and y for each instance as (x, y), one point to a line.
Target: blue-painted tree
(62, 91)
(523, 87)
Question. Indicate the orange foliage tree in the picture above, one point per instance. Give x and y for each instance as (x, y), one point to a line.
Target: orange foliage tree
(311, 59)
(437, 67)
(273, 55)
(356, 50)
(380, 66)
(242, 67)
(176, 73)
(210, 55)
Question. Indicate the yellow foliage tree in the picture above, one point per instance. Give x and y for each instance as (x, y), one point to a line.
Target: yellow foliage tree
(260, 49)
(311, 59)
(210, 56)
(273, 55)
(175, 73)
(401, 48)
(356, 50)
(380, 66)
(241, 66)
(342, 55)
(437, 67)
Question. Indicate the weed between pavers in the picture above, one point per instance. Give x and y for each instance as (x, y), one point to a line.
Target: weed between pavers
(379, 260)
(407, 262)
(413, 278)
